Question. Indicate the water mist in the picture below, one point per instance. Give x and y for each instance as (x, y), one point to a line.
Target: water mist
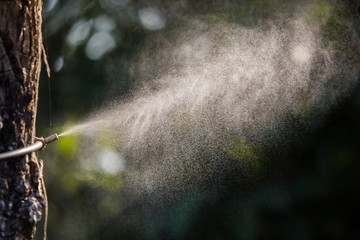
(211, 88)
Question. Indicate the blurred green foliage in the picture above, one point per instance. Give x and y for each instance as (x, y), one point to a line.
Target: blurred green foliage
(68, 146)
(309, 191)
(107, 139)
(107, 181)
(243, 151)
(320, 11)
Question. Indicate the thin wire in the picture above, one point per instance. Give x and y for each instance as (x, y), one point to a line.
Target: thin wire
(49, 85)
(50, 130)
(46, 206)
(40, 164)
(50, 107)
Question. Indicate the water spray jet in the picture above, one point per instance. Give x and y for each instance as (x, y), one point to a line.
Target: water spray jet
(40, 143)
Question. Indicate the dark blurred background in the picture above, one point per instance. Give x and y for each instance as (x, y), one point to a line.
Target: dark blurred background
(307, 189)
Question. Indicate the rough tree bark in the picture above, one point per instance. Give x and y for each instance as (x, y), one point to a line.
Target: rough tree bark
(21, 195)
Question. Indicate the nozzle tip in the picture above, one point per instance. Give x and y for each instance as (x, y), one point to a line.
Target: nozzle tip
(51, 138)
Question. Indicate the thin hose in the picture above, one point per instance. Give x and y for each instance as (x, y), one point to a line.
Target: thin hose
(38, 145)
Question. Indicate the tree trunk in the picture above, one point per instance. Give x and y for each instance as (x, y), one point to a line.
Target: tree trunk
(21, 195)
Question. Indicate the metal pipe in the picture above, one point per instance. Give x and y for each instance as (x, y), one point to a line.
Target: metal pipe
(40, 143)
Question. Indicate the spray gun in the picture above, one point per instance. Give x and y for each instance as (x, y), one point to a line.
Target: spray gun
(40, 143)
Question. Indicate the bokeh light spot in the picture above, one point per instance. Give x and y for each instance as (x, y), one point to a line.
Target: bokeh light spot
(110, 161)
(59, 64)
(104, 23)
(79, 32)
(151, 18)
(301, 54)
(99, 44)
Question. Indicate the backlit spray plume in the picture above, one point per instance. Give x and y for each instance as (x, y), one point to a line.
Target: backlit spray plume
(216, 88)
